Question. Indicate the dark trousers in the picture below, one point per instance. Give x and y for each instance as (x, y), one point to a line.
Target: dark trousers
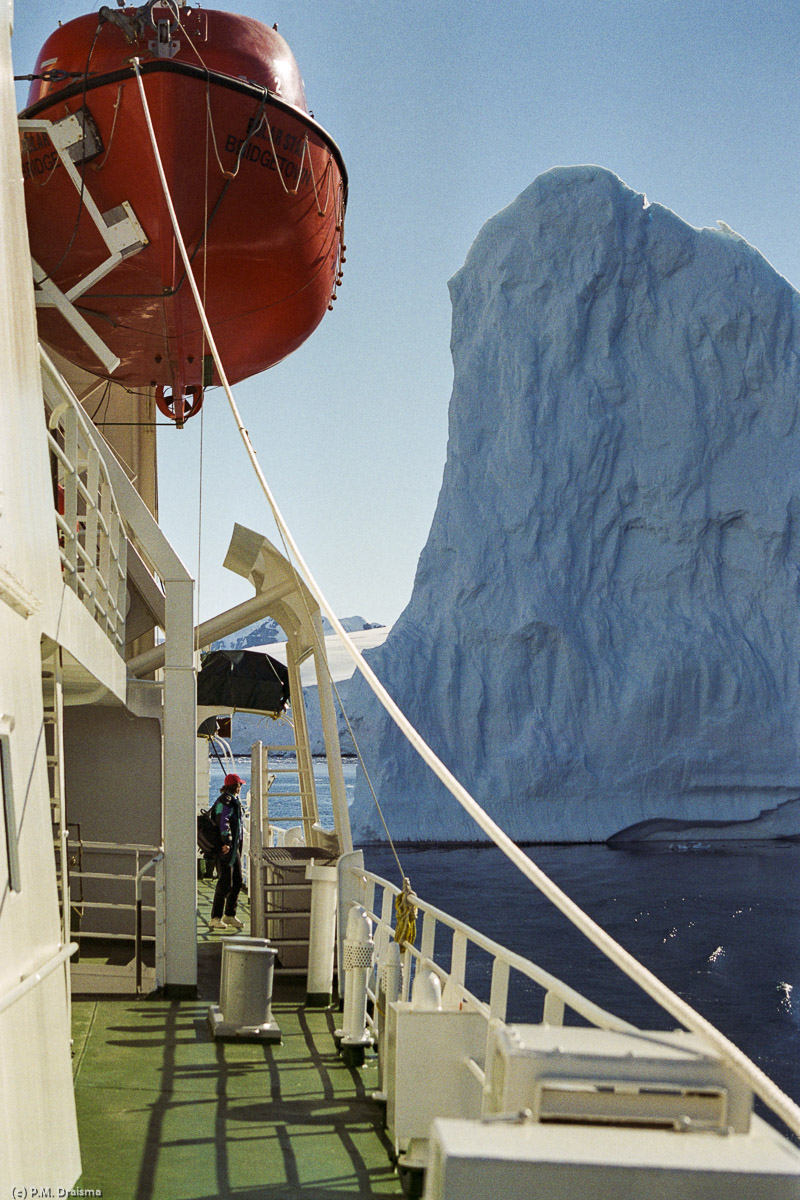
(227, 890)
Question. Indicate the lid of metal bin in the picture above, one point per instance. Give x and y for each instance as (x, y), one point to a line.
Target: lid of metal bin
(286, 855)
(242, 941)
(250, 944)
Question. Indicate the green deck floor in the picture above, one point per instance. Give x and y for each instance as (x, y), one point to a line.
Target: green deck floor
(167, 1113)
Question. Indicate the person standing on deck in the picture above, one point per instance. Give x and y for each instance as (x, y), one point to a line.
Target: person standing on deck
(228, 813)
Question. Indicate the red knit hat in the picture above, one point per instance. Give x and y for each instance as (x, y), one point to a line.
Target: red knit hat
(232, 780)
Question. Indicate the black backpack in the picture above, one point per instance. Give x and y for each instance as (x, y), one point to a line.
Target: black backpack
(209, 841)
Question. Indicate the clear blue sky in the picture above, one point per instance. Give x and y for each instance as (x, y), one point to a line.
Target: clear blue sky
(445, 111)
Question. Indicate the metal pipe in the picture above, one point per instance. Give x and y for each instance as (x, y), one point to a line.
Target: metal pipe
(210, 631)
(138, 925)
(138, 944)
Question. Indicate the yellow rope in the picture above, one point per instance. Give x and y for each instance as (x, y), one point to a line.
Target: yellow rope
(406, 924)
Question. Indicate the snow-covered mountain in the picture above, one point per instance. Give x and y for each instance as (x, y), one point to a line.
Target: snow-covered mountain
(604, 624)
(265, 631)
(260, 633)
(248, 727)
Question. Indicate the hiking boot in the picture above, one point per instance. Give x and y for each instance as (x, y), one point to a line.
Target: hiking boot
(234, 922)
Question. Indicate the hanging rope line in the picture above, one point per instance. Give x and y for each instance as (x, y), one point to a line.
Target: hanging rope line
(761, 1084)
(117, 106)
(356, 746)
(202, 382)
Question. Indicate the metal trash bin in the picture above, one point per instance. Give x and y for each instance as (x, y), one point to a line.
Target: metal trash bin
(245, 992)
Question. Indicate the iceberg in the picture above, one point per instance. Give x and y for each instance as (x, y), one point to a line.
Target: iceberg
(603, 630)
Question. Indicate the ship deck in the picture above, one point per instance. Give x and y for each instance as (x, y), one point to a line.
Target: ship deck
(168, 1113)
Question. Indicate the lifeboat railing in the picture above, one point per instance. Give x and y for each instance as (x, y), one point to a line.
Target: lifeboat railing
(91, 535)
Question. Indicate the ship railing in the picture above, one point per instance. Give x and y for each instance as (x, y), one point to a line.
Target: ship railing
(91, 535)
(37, 976)
(144, 865)
(377, 896)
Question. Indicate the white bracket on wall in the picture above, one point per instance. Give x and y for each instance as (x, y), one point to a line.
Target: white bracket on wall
(119, 228)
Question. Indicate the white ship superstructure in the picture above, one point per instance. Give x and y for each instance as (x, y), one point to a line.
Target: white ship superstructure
(39, 1136)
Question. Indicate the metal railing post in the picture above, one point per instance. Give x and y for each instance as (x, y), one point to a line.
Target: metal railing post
(255, 866)
(140, 872)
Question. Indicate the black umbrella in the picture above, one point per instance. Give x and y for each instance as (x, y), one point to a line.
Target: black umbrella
(243, 679)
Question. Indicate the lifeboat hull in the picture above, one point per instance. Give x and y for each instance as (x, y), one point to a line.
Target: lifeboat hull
(259, 190)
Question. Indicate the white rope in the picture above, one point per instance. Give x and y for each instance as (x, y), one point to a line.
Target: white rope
(762, 1085)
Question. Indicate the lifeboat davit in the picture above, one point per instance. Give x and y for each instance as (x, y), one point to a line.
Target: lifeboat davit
(258, 186)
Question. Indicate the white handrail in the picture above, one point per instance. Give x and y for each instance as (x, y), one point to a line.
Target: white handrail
(157, 858)
(549, 983)
(92, 539)
(36, 977)
(119, 847)
(137, 877)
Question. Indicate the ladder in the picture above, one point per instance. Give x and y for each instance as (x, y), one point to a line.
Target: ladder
(306, 812)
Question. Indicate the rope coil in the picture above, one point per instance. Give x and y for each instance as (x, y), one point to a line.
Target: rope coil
(406, 913)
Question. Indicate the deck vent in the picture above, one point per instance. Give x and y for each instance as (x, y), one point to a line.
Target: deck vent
(571, 1074)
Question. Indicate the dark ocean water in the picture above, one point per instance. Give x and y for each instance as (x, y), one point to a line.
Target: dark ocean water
(720, 926)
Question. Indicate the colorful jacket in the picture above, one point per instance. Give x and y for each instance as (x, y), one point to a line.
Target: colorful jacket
(228, 814)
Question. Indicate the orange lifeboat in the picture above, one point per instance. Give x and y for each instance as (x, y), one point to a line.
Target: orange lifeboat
(258, 186)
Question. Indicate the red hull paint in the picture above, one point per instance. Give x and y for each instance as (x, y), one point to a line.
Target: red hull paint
(270, 262)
